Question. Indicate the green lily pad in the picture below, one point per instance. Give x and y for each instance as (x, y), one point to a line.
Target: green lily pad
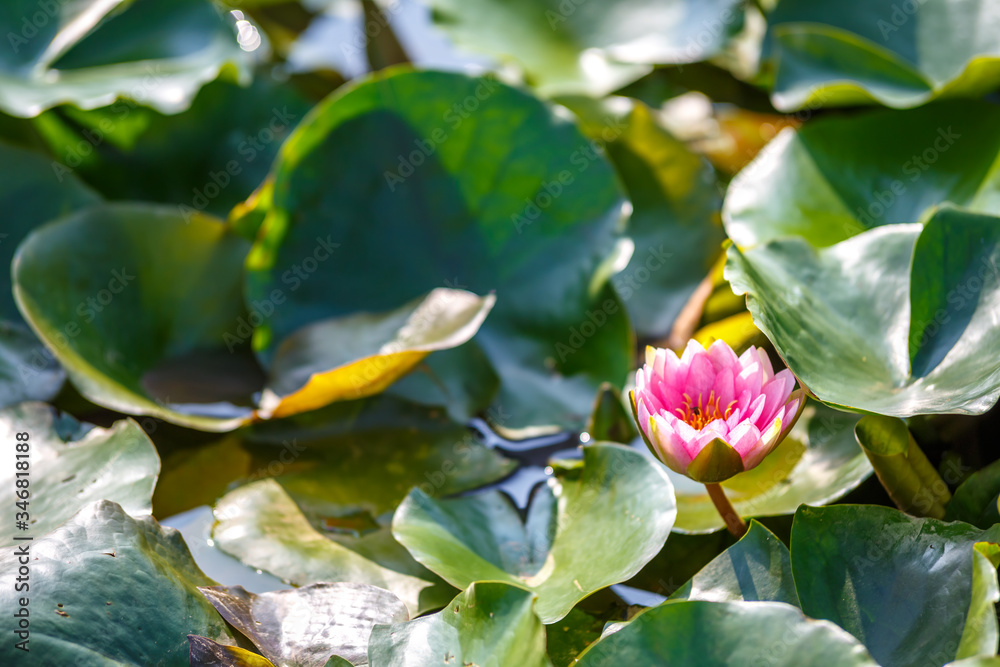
(576, 47)
(216, 152)
(70, 467)
(264, 528)
(511, 199)
(137, 302)
(757, 568)
(594, 526)
(848, 319)
(900, 54)
(675, 210)
(340, 619)
(159, 52)
(908, 588)
(817, 463)
(489, 623)
(108, 589)
(719, 634)
(838, 177)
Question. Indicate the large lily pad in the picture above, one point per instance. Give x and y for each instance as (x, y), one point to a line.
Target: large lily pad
(263, 527)
(817, 463)
(593, 48)
(71, 467)
(719, 634)
(305, 627)
(107, 589)
(838, 177)
(136, 301)
(90, 52)
(420, 193)
(905, 587)
(899, 320)
(490, 623)
(675, 210)
(595, 526)
(900, 54)
(30, 194)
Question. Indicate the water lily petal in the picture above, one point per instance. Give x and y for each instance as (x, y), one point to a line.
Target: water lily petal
(725, 388)
(777, 392)
(723, 356)
(701, 377)
(671, 447)
(744, 439)
(750, 379)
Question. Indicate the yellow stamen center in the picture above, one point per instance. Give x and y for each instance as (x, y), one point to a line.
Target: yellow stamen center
(698, 416)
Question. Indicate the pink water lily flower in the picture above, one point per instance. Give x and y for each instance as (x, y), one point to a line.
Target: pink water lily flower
(710, 414)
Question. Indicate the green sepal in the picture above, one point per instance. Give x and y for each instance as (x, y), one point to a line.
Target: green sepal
(716, 462)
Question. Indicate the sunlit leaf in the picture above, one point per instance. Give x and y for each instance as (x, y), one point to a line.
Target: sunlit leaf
(900, 54)
(842, 317)
(579, 47)
(359, 355)
(594, 526)
(719, 634)
(305, 627)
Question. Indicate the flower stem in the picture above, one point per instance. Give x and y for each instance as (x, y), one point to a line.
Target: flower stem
(734, 523)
